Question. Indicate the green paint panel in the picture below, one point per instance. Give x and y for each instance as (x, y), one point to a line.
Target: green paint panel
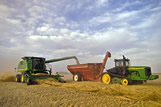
(29, 64)
(22, 66)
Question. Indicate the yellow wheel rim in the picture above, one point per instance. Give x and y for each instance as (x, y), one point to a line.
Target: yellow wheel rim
(106, 78)
(16, 79)
(22, 78)
(124, 81)
(76, 78)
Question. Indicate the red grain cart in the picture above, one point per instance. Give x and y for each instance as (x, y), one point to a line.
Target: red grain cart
(89, 71)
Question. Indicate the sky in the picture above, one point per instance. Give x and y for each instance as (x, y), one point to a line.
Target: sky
(83, 28)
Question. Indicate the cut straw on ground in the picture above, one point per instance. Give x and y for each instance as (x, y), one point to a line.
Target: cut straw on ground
(7, 77)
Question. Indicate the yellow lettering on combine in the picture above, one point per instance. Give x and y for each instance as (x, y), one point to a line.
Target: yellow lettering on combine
(21, 69)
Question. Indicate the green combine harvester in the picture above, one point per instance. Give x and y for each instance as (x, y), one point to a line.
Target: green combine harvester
(30, 69)
(126, 75)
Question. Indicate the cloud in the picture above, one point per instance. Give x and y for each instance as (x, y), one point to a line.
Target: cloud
(112, 17)
(5, 11)
(101, 2)
(86, 29)
(126, 5)
(95, 43)
(13, 21)
(149, 21)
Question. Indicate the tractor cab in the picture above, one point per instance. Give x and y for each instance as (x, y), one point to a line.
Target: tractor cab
(120, 62)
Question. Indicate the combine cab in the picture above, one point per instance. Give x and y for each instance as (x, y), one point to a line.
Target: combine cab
(125, 74)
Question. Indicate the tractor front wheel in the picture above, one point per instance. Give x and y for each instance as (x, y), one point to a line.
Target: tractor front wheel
(106, 78)
(77, 77)
(126, 81)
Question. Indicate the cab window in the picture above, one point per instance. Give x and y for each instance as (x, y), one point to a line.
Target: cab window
(38, 64)
(120, 63)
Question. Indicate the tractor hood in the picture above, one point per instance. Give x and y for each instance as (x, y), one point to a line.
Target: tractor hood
(146, 69)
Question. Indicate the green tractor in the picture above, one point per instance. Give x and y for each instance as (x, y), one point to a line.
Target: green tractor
(30, 69)
(126, 75)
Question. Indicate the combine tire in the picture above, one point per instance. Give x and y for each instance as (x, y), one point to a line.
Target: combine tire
(23, 78)
(106, 78)
(18, 78)
(126, 81)
(77, 77)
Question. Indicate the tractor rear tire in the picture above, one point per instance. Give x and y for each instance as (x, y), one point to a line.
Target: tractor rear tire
(126, 81)
(106, 78)
(77, 77)
(18, 78)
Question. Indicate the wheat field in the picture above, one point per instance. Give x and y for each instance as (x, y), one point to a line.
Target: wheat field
(77, 94)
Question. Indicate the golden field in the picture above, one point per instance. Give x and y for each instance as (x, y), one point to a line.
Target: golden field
(50, 93)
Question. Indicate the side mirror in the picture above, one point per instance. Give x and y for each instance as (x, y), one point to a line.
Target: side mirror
(15, 69)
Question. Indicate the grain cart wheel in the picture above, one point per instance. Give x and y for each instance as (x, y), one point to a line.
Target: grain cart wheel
(126, 81)
(18, 78)
(106, 78)
(77, 77)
